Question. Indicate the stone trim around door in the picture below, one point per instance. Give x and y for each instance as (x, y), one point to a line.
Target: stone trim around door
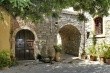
(36, 51)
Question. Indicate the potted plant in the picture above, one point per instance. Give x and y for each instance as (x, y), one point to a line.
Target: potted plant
(83, 55)
(101, 50)
(57, 52)
(91, 51)
(107, 56)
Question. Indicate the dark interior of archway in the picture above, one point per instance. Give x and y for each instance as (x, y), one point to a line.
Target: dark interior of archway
(70, 37)
(24, 49)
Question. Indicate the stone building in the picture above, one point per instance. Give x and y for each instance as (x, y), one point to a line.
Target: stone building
(35, 38)
(100, 27)
(25, 39)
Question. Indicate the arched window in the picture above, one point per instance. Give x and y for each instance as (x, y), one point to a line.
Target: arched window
(98, 25)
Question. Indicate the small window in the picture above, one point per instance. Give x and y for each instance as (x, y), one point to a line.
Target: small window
(98, 25)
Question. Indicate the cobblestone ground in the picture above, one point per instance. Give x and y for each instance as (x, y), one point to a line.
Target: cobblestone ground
(74, 66)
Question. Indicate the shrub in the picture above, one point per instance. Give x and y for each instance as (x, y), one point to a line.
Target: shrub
(4, 59)
(101, 49)
(57, 48)
(91, 50)
(107, 53)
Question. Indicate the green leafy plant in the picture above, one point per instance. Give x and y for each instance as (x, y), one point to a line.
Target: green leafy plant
(81, 17)
(4, 59)
(107, 54)
(57, 48)
(35, 9)
(102, 49)
(91, 51)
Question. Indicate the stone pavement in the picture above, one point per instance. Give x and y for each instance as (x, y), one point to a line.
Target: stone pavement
(74, 66)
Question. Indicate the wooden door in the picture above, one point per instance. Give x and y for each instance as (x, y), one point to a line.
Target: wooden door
(24, 45)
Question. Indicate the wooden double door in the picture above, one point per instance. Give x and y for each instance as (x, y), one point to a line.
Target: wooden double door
(24, 48)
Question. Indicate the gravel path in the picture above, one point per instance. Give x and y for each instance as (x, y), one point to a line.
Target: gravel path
(75, 66)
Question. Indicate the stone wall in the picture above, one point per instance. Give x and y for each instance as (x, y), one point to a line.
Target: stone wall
(49, 29)
(71, 19)
(46, 32)
(105, 37)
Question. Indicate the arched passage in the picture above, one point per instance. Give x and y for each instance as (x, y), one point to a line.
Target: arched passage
(71, 39)
(24, 45)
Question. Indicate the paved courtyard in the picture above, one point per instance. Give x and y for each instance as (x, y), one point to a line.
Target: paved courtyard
(74, 66)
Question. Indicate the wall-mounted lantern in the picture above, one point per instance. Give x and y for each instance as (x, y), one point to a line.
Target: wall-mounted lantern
(88, 33)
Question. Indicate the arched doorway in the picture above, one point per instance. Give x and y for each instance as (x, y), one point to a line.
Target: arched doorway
(59, 42)
(24, 41)
(71, 38)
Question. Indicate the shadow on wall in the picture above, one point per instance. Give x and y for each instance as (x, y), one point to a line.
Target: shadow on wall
(71, 38)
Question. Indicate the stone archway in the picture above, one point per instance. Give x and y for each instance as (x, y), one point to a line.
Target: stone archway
(71, 38)
(35, 44)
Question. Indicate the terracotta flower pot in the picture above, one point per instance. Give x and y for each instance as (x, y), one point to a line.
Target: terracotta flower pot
(102, 60)
(57, 56)
(83, 56)
(93, 58)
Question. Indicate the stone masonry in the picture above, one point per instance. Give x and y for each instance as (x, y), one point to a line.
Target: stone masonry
(46, 32)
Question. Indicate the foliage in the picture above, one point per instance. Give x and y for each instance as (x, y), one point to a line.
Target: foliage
(57, 48)
(102, 49)
(37, 9)
(34, 9)
(4, 59)
(93, 7)
(91, 51)
(107, 53)
(81, 17)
